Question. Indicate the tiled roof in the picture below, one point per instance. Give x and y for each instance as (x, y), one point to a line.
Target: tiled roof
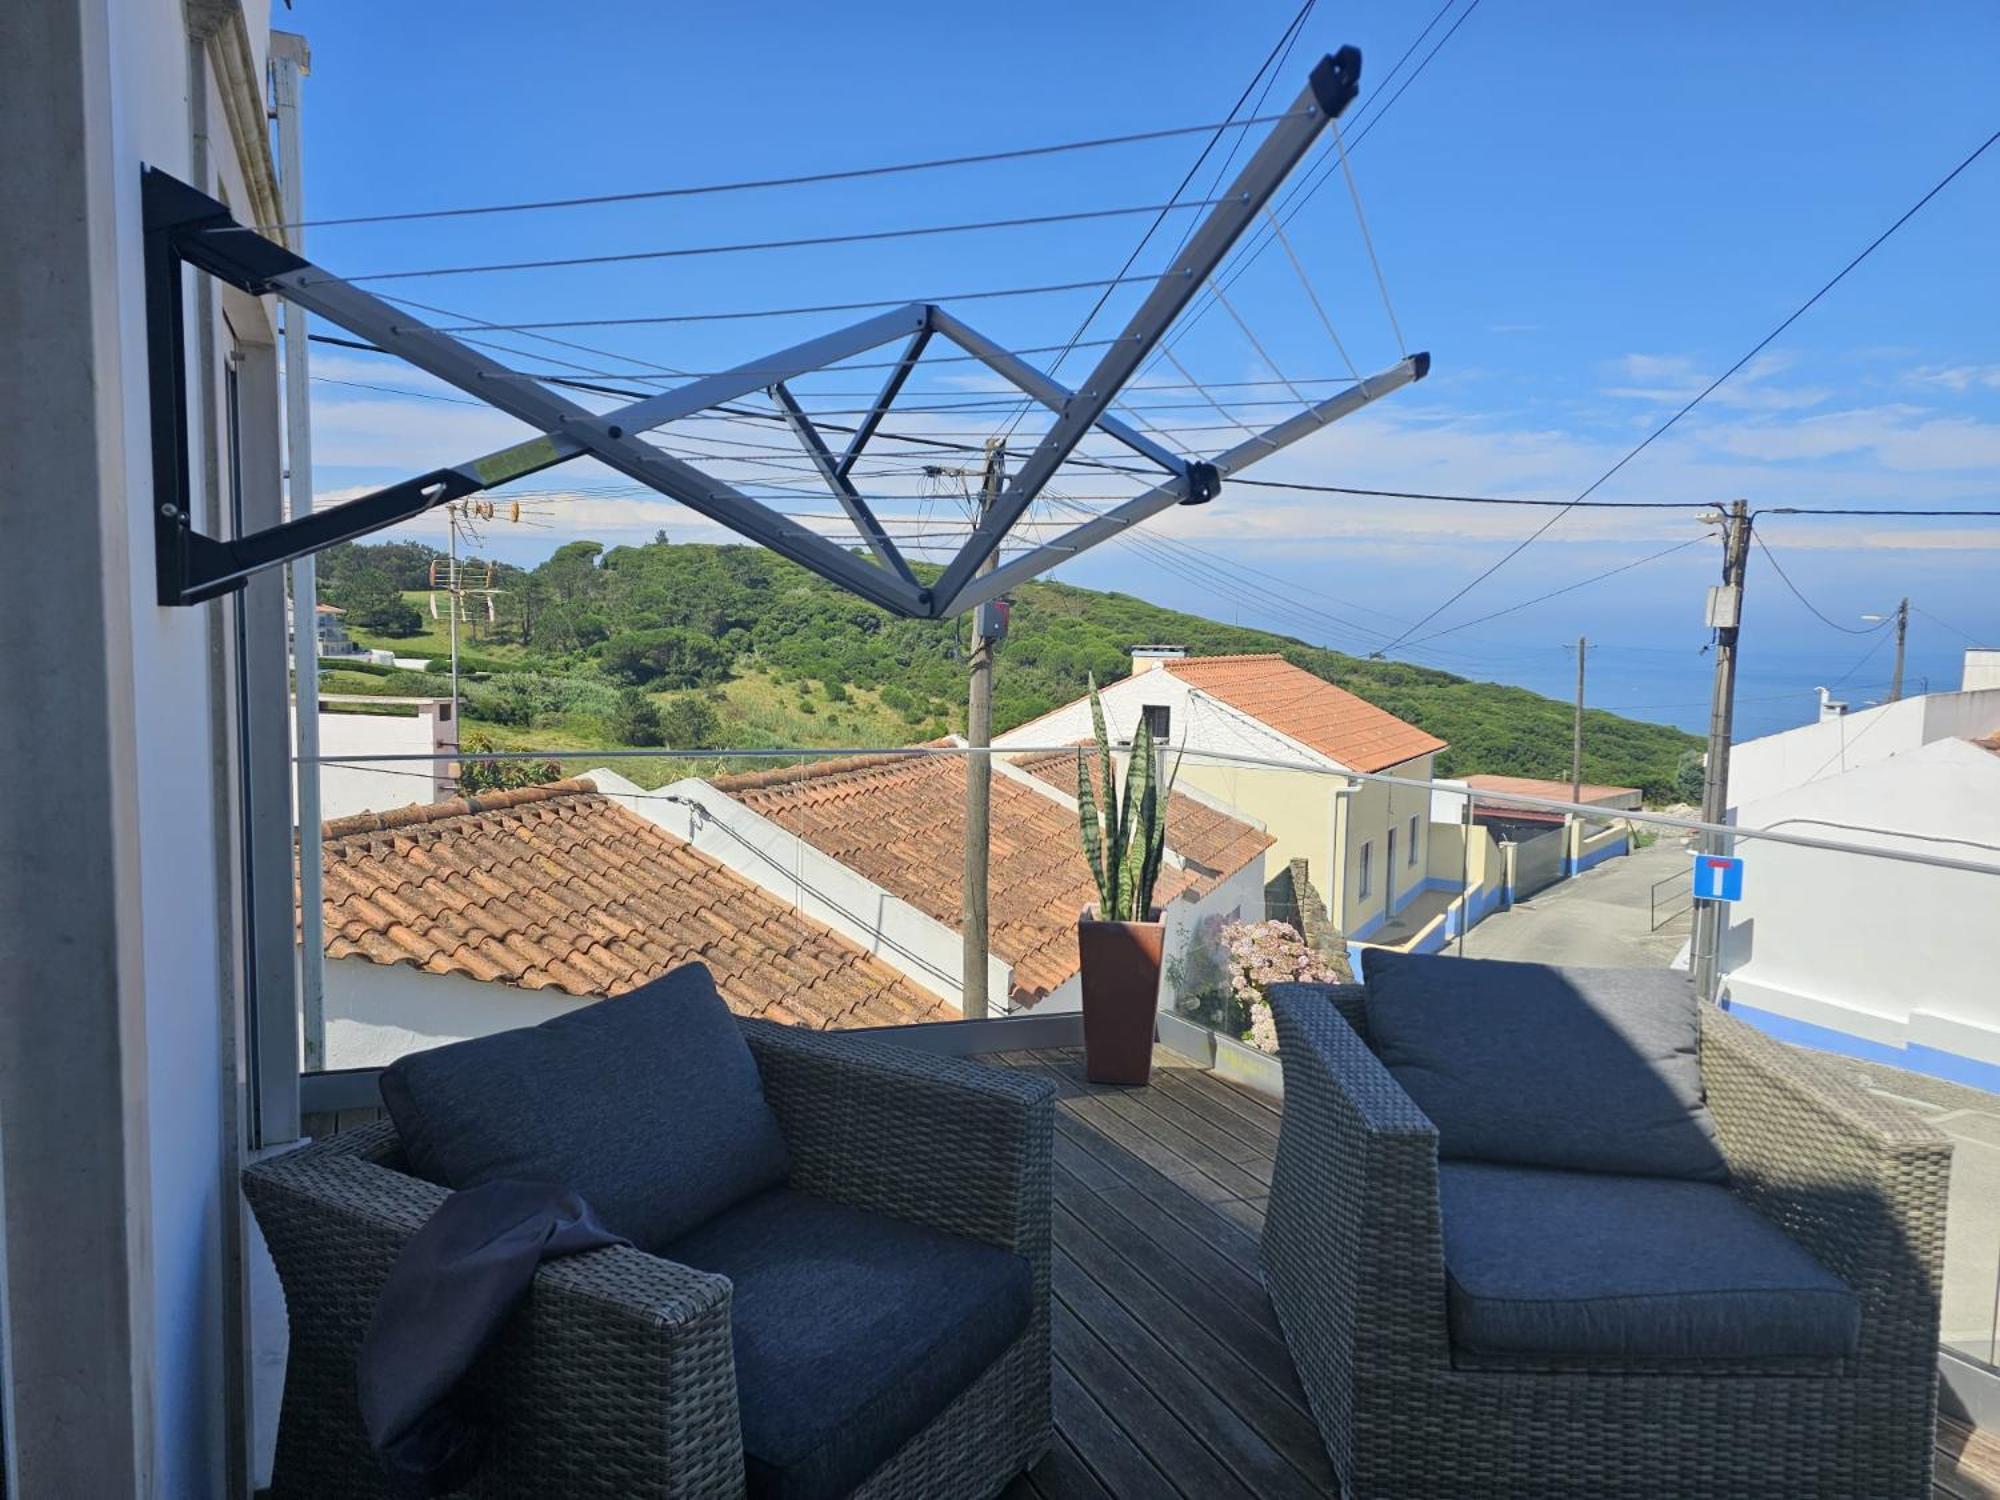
(556, 887)
(1554, 791)
(1309, 709)
(1214, 844)
(1991, 742)
(899, 821)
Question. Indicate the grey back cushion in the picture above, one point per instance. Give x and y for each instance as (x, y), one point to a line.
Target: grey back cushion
(648, 1105)
(1595, 1070)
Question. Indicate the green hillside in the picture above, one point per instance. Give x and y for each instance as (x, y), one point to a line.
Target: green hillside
(734, 646)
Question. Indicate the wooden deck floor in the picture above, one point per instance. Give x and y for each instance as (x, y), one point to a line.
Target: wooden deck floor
(1171, 1378)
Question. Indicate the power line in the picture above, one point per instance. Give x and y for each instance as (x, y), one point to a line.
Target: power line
(1551, 594)
(1966, 634)
(1282, 45)
(1301, 192)
(1848, 510)
(1701, 395)
(791, 312)
(855, 238)
(1819, 614)
(801, 180)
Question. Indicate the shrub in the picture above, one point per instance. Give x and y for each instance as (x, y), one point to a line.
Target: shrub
(688, 723)
(501, 775)
(672, 658)
(637, 720)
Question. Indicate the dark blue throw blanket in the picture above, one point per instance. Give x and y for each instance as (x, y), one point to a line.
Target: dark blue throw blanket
(449, 1293)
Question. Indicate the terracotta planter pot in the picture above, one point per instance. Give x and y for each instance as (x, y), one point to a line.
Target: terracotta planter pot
(1121, 993)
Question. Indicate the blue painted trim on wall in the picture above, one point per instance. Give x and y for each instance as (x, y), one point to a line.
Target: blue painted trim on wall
(1916, 1058)
(1596, 857)
(1372, 925)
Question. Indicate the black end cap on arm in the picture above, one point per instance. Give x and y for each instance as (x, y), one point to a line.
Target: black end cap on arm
(1336, 80)
(1422, 360)
(1204, 484)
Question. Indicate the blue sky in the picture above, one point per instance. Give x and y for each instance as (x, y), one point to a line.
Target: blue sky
(1583, 212)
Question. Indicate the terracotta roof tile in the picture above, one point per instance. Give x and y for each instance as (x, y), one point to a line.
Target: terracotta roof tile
(556, 887)
(899, 821)
(1309, 709)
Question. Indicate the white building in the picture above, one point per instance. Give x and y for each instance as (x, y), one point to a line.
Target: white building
(1885, 960)
(365, 786)
(1762, 768)
(156, 748)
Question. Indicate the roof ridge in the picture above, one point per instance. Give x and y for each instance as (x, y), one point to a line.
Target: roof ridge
(418, 814)
(840, 765)
(1175, 663)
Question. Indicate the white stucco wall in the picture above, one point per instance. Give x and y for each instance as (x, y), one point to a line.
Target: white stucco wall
(376, 1013)
(349, 789)
(1774, 763)
(1891, 953)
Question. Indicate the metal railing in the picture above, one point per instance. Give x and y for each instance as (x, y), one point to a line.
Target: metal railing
(1684, 896)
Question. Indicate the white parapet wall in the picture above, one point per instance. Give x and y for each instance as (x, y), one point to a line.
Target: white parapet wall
(1882, 959)
(1775, 763)
(776, 860)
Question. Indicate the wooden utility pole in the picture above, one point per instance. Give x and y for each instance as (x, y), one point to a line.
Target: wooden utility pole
(979, 770)
(1902, 635)
(1725, 614)
(1576, 728)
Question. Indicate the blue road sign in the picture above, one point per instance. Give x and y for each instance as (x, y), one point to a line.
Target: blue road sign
(1718, 877)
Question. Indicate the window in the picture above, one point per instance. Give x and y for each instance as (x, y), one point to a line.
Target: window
(1413, 838)
(1367, 867)
(1159, 717)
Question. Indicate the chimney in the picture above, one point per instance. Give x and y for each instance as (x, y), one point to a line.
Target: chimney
(1146, 658)
(1829, 706)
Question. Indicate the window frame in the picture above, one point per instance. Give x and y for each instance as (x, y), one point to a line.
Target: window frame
(1365, 885)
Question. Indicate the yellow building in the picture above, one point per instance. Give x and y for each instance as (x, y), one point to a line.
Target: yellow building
(1366, 845)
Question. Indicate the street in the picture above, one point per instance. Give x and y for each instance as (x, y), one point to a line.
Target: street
(1600, 917)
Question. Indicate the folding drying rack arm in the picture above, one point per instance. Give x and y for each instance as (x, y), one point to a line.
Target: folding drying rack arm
(186, 228)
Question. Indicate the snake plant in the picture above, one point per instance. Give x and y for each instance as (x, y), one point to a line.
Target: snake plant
(1124, 844)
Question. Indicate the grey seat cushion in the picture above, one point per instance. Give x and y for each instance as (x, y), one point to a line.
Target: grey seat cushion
(1575, 1266)
(1596, 1070)
(852, 1332)
(648, 1106)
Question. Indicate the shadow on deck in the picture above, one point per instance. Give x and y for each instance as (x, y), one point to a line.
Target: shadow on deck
(1171, 1378)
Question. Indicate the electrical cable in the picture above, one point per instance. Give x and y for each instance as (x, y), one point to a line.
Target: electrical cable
(1758, 348)
(656, 319)
(856, 238)
(1966, 634)
(1817, 613)
(801, 180)
(1551, 594)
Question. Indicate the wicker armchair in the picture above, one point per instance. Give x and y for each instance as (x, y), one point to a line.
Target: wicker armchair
(1353, 1258)
(616, 1376)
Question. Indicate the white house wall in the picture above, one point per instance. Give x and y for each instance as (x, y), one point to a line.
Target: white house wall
(145, 1059)
(1775, 763)
(1887, 960)
(376, 1013)
(362, 787)
(774, 859)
